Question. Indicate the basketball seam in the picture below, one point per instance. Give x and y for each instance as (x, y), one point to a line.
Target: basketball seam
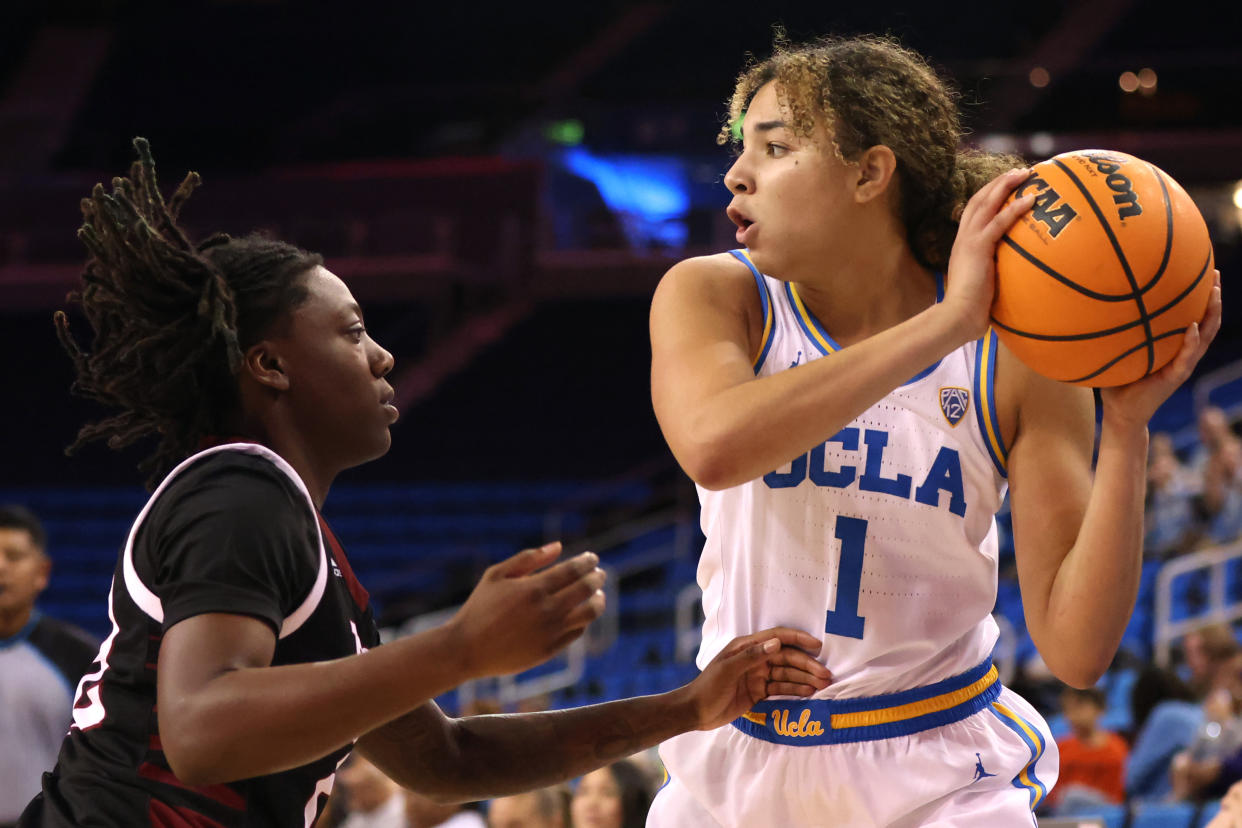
(1109, 331)
(1065, 280)
(1120, 357)
(1125, 264)
(1168, 224)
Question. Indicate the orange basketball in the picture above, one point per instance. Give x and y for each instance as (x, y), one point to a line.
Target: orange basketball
(1097, 283)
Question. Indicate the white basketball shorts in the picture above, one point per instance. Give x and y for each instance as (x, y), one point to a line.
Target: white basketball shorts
(962, 753)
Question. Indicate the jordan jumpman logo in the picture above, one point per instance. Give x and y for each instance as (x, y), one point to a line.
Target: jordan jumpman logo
(980, 773)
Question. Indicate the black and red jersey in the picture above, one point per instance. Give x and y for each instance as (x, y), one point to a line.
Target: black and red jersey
(232, 530)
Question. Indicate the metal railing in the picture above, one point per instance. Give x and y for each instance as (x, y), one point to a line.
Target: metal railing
(507, 690)
(600, 636)
(1187, 436)
(1213, 381)
(1218, 607)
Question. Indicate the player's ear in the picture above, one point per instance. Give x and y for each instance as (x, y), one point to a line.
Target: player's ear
(876, 168)
(262, 363)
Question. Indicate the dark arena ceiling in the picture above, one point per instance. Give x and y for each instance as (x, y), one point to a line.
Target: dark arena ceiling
(244, 84)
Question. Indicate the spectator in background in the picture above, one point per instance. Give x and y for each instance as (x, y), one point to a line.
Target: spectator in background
(540, 808)
(1213, 761)
(1092, 759)
(41, 660)
(1206, 655)
(616, 796)
(373, 800)
(1216, 436)
(424, 812)
(1153, 686)
(1170, 526)
(1218, 465)
(1174, 723)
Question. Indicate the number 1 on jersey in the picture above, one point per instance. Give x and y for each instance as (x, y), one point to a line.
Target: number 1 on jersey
(844, 619)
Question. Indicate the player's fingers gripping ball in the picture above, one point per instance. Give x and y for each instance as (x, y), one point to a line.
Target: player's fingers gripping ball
(1097, 283)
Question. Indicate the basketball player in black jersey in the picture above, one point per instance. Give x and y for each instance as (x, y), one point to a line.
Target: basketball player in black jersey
(242, 667)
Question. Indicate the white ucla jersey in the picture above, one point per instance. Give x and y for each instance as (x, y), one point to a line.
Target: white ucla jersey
(882, 538)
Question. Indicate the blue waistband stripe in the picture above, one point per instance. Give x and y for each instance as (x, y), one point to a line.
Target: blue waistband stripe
(811, 721)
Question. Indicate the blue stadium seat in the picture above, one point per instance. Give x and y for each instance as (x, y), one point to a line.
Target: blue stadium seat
(1113, 816)
(1163, 815)
(647, 601)
(1117, 687)
(1136, 640)
(438, 497)
(81, 556)
(1058, 725)
(1233, 579)
(1139, 630)
(1190, 592)
(684, 570)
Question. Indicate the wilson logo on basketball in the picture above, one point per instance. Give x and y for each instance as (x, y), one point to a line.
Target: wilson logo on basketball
(1123, 191)
(1049, 209)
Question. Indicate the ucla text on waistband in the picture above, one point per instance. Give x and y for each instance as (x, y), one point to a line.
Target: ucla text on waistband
(835, 721)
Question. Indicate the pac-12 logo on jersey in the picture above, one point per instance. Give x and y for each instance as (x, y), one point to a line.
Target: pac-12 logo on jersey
(954, 403)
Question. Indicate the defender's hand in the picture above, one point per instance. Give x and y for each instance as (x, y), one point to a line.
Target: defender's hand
(518, 616)
(775, 662)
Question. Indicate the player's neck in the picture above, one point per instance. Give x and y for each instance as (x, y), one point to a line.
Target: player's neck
(1091, 737)
(12, 621)
(314, 474)
(286, 441)
(867, 291)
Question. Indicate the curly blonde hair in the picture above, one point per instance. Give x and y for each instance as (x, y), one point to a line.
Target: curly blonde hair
(871, 90)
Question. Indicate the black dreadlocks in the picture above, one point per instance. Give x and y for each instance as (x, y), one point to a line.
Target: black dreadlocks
(171, 319)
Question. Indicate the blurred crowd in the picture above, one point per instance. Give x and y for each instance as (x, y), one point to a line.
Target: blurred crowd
(1185, 744)
(1196, 501)
(615, 796)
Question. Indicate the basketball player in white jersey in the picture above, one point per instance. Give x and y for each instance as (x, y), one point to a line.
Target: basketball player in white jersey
(853, 425)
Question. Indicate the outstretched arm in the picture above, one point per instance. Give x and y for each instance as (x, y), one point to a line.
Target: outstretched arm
(481, 757)
(1079, 540)
(225, 713)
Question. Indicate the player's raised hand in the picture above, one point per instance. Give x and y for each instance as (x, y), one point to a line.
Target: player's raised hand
(970, 282)
(774, 662)
(522, 613)
(1138, 401)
